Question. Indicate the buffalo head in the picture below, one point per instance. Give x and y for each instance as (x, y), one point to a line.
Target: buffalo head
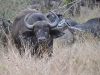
(43, 29)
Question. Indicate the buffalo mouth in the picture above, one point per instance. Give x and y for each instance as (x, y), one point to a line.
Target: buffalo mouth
(41, 40)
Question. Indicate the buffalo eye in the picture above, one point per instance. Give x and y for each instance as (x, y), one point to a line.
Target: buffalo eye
(35, 29)
(46, 32)
(46, 29)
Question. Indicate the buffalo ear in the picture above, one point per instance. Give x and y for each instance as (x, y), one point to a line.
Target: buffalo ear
(27, 34)
(56, 33)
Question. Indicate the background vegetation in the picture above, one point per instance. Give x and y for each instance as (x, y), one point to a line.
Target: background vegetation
(80, 58)
(9, 8)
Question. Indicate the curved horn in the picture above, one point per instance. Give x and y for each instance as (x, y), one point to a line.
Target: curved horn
(56, 20)
(76, 28)
(26, 24)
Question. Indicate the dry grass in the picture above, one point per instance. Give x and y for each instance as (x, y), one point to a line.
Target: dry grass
(86, 14)
(80, 58)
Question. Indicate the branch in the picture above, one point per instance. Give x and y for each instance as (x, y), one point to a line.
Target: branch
(72, 6)
(65, 5)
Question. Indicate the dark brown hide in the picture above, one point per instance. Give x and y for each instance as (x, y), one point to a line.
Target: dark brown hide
(42, 29)
(18, 24)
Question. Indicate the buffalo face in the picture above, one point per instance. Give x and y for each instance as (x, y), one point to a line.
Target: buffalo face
(43, 30)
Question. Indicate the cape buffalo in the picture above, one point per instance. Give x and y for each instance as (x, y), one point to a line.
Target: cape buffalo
(92, 25)
(36, 27)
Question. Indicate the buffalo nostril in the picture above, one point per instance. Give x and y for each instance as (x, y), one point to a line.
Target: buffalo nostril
(41, 39)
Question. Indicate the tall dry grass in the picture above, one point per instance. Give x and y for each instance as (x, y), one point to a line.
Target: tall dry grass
(80, 58)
